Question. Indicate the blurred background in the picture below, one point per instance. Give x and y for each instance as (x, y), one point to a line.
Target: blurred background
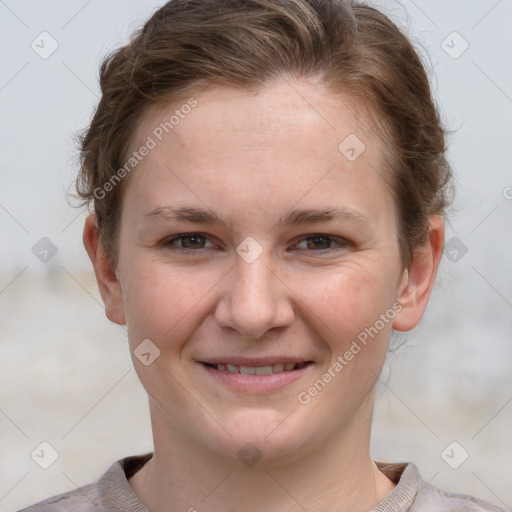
(66, 377)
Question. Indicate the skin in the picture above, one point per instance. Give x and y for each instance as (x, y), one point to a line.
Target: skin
(251, 158)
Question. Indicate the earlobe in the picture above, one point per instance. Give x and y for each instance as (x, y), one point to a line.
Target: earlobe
(108, 283)
(418, 279)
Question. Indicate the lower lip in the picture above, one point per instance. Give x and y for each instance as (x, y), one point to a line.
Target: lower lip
(256, 383)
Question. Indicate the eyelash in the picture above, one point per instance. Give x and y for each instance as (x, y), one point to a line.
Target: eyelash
(342, 243)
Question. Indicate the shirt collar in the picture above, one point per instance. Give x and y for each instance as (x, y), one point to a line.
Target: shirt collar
(118, 496)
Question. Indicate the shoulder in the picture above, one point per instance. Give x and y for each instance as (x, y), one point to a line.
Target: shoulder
(432, 499)
(111, 493)
(83, 499)
(413, 494)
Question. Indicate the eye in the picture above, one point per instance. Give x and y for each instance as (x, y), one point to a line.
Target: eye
(323, 243)
(318, 242)
(187, 242)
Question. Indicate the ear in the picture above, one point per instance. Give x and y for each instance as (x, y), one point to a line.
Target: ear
(108, 284)
(418, 279)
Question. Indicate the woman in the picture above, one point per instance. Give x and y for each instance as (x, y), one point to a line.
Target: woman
(268, 180)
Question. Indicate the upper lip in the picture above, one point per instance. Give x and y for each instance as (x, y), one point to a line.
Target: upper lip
(255, 361)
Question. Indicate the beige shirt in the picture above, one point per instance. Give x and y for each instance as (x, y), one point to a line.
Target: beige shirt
(112, 493)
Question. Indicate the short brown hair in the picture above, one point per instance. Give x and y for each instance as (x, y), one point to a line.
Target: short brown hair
(353, 48)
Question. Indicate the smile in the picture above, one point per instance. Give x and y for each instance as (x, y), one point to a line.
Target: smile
(254, 376)
(258, 370)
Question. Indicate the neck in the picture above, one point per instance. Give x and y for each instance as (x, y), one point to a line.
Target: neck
(337, 475)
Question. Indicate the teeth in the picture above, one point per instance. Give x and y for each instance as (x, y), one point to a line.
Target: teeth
(259, 370)
(264, 370)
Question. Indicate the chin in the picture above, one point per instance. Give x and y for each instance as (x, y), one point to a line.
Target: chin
(264, 437)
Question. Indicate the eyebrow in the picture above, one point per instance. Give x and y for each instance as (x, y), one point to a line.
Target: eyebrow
(295, 217)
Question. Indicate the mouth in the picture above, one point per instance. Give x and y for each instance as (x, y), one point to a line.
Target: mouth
(254, 376)
(258, 370)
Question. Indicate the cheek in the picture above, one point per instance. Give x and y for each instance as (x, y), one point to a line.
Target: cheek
(348, 312)
(349, 302)
(163, 302)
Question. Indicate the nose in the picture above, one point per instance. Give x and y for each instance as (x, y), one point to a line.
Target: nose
(254, 298)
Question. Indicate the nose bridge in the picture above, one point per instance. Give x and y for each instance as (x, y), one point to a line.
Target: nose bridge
(253, 300)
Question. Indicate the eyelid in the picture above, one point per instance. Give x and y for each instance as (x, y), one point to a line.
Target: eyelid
(342, 242)
(177, 237)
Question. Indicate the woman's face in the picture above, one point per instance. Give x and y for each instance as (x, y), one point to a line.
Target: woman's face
(284, 259)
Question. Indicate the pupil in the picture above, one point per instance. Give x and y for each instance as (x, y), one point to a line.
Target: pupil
(193, 238)
(319, 238)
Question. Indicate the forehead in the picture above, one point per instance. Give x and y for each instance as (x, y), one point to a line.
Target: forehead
(292, 141)
(300, 112)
